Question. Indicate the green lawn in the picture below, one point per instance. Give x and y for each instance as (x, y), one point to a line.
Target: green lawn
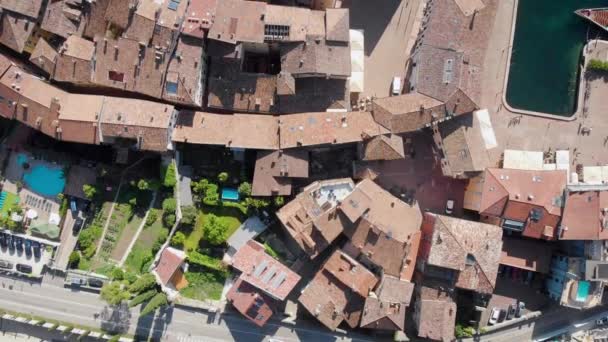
(142, 252)
(9, 201)
(204, 285)
(231, 216)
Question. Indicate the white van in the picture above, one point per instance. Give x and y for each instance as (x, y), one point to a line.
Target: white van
(396, 88)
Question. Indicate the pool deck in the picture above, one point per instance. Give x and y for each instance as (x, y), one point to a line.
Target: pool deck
(528, 132)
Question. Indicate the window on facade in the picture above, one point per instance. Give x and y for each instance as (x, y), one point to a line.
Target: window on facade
(116, 76)
(171, 88)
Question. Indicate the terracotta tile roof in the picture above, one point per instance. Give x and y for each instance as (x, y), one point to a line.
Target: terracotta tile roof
(286, 84)
(386, 309)
(312, 218)
(463, 146)
(274, 170)
(298, 19)
(383, 227)
(118, 12)
(337, 22)
(62, 17)
(307, 129)
(199, 17)
(16, 30)
(532, 255)
(95, 16)
(513, 194)
(30, 8)
(168, 24)
(75, 61)
(238, 21)
(170, 260)
(263, 271)
(408, 112)
(254, 131)
(44, 56)
(141, 26)
(250, 302)
(337, 291)
(383, 147)
(470, 248)
(317, 57)
(231, 89)
(585, 216)
(435, 314)
(185, 71)
(77, 107)
(314, 94)
(202, 128)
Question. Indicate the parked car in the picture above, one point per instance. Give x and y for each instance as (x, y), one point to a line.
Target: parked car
(3, 240)
(602, 321)
(494, 315)
(449, 207)
(77, 225)
(93, 282)
(18, 244)
(28, 248)
(27, 269)
(396, 86)
(36, 248)
(521, 306)
(10, 242)
(6, 264)
(502, 315)
(511, 312)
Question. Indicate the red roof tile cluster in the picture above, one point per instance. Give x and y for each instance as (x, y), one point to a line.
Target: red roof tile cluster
(250, 302)
(385, 310)
(585, 216)
(337, 291)
(274, 171)
(170, 261)
(263, 271)
(533, 198)
(435, 314)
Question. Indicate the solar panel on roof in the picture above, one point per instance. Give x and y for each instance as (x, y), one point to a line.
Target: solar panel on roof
(271, 272)
(279, 280)
(260, 268)
(173, 5)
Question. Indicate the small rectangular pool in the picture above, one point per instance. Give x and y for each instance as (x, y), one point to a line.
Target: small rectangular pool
(583, 291)
(230, 194)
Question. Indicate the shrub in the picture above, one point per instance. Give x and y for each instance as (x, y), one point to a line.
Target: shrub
(63, 209)
(598, 65)
(130, 277)
(143, 283)
(53, 327)
(211, 195)
(245, 189)
(89, 191)
(178, 239)
(271, 251)
(243, 209)
(114, 338)
(170, 205)
(216, 231)
(169, 176)
(114, 293)
(117, 274)
(169, 220)
(143, 185)
(200, 186)
(461, 331)
(160, 299)
(74, 259)
(279, 201)
(68, 329)
(222, 177)
(197, 258)
(152, 217)
(133, 201)
(189, 214)
(144, 297)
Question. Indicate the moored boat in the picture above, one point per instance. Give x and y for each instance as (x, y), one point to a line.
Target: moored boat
(598, 16)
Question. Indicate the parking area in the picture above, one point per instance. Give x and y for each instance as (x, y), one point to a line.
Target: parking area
(21, 254)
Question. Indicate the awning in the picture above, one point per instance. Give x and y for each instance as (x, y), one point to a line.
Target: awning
(54, 218)
(31, 214)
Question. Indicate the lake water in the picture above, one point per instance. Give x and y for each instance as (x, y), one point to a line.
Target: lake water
(547, 47)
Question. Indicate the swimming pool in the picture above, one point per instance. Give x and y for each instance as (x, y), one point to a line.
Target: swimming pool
(583, 291)
(230, 194)
(42, 179)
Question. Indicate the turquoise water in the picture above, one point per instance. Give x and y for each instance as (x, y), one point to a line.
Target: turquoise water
(41, 179)
(583, 291)
(2, 198)
(547, 48)
(230, 194)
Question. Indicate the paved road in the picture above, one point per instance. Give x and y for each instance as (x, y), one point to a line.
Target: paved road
(50, 299)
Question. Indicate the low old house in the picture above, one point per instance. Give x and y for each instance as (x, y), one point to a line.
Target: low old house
(169, 271)
(338, 290)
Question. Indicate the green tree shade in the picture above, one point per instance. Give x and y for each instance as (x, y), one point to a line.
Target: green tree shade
(146, 296)
(189, 214)
(178, 240)
(200, 186)
(74, 259)
(169, 205)
(89, 191)
(245, 189)
(215, 231)
(152, 217)
(143, 185)
(279, 201)
(223, 177)
(117, 274)
(169, 220)
(143, 283)
(169, 176)
(114, 293)
(160, 299)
